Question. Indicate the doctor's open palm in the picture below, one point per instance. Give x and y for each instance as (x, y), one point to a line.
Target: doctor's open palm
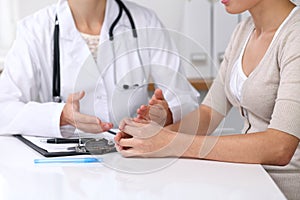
(71, 116)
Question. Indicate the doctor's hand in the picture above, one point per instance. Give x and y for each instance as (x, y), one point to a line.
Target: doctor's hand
(71, 116)
(158, 110)
(145, 139)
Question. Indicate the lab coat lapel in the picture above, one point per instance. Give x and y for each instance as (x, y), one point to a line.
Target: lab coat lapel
(77, 47)
(76, 56)
(71, 40)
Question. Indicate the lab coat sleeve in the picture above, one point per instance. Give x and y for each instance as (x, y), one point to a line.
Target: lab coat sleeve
(21, 109)
(168, 74)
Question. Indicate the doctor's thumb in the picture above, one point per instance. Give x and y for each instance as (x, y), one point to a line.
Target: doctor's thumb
(78, 96)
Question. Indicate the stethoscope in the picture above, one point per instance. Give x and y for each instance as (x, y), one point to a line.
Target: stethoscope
(56, 63)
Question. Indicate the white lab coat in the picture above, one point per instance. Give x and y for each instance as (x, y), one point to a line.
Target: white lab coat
(26, 105)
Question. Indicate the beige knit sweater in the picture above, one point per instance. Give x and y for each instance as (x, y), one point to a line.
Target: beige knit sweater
(270, 95)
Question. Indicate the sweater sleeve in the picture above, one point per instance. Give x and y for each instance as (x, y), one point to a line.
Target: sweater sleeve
(286, 113)
(216, 97)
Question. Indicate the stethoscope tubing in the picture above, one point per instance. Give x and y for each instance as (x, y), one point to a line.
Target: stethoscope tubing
(56, 58)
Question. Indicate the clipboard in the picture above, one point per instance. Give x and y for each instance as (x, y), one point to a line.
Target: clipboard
(46, 153)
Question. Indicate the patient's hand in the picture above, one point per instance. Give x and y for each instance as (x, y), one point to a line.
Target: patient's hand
(71, 116)
(158, 110)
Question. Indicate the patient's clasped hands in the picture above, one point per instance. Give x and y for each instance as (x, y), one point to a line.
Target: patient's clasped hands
(143, 139)
(144, 136)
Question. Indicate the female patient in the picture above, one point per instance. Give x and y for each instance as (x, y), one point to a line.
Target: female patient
(261, 75)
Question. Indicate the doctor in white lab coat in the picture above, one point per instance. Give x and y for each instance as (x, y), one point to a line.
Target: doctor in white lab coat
(91, 63)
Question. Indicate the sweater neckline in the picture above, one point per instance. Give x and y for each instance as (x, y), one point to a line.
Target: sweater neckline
(278, 31)
(276, 35)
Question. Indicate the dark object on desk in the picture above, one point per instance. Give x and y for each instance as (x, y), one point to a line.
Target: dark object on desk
(90, 147)
(73, 140)
(45, 152)
(66, 141)
(112, 132)
(96, 147)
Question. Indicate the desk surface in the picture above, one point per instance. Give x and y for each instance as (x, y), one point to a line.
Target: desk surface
(20, 178)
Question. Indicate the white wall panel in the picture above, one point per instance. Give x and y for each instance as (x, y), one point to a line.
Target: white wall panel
(169, 11)
(197, 28)
(11, 11)
(204, 22)
(27, 7)
(7, 24)
(190, 18)
(224, 24)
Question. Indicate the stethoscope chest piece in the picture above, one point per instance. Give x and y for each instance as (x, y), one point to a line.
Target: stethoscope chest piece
(96, 146)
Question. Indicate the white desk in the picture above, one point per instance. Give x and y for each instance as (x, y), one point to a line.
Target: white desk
(20, 178)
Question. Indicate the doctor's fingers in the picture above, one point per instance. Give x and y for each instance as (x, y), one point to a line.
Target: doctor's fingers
(89, 128)
(93, 128)
(73, 101)
(87, 119)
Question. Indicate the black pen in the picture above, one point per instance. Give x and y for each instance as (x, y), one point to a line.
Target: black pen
(60, 141)
(70, 141)
(112, 132)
